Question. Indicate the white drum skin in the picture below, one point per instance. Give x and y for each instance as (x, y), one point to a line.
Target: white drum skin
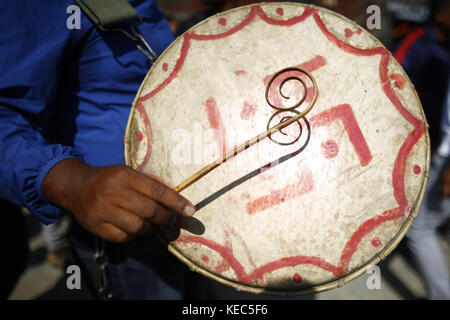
(317, 220)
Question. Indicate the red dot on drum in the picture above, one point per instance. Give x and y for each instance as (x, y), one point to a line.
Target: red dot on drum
(280, 11)
(223, 21)
(399, 80)
(376, 242)
(348, 33)
(297, 278)
(139, 136)
(165, 67)
(205, 258)
(377, 130)
(330, 149)
(417, 169)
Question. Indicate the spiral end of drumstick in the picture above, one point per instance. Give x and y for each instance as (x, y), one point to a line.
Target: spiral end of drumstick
(288, 114)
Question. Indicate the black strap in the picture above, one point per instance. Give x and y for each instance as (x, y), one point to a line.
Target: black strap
(107, 14)
(113, 15)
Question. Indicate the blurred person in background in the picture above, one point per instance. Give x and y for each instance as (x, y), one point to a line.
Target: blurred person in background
(213, 7)
(356, 10)
(57, 244)
(425, 56)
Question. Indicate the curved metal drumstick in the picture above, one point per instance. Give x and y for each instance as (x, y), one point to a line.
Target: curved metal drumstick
(269, 132)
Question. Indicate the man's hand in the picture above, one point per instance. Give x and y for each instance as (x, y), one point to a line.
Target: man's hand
(445, 182)
(114, 202)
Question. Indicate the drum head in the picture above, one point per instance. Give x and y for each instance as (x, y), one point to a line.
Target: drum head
(311, 220)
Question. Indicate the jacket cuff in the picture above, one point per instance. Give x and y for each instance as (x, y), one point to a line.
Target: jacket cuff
(48, 212)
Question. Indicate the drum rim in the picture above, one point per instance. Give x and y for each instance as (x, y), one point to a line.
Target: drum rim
(324, 286)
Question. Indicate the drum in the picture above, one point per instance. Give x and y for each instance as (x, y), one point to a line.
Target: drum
(318, 202)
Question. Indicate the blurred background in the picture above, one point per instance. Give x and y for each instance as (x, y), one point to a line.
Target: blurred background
(399, 17)
(36, 256)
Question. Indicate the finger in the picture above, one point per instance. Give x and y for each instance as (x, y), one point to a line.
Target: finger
(111, 233)
(160, 215)
(127, 222)
(145, 208)
(163, 194)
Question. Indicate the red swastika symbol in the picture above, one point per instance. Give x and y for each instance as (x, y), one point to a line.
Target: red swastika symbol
(305, 184)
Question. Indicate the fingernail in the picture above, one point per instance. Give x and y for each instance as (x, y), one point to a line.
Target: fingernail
(188, 210)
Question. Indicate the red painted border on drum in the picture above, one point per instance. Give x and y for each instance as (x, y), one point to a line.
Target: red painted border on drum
(398, 173)
(254, 11)
(399, 164)
(258, 273)
(148, 128)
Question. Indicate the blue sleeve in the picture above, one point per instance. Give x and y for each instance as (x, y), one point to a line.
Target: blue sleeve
(34, 46)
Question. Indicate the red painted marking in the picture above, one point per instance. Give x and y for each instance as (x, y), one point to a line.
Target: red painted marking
(225, 264)
(258, 273)
(397, 174)
(297, 278)
(240, 72)
(148, 129)
(244, 245)
(362, 231)
(376, 242)
(310, 94)
(275, 197)
(139, 136)
(248, 111)
(223, 251)
(417, 169)
(330, 149)
(399, 80)
(255, 11)
(310, 66)
(349, 33)
(306, 13)
(205, 258)
(306, 184)
(165, 67)
(223, 21)
(216, 124)
(345, 113)
(313, 64)
(291, 262)
(280, 11)
(344, 45)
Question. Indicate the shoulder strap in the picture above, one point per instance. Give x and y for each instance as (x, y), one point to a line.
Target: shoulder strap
(107, 14)
(112, 15)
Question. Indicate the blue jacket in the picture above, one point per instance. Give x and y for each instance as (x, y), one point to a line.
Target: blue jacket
(64, 93)
(426, 60)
